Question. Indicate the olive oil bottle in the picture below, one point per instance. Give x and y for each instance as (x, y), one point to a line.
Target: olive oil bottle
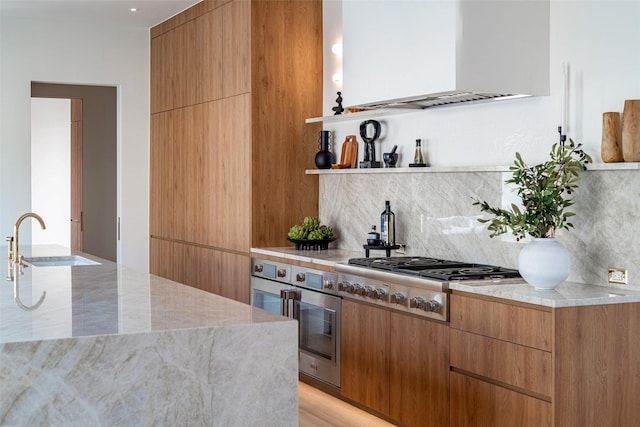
(388, 226)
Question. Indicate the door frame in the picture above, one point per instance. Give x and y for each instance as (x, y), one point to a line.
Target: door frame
(99, 162)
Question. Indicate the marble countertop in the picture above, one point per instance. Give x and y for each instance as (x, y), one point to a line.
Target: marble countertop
(107, 299)
(328, 257)
(568, 294)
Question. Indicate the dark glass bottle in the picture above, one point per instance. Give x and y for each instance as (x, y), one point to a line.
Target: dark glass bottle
(388, 226)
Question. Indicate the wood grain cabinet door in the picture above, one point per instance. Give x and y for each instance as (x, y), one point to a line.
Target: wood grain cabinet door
(365, 355)
(419, 371)
(76, 174)
(501, 364)
(475, 403)
(231, 83)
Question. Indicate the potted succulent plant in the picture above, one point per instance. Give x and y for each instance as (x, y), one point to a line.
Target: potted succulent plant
(545, 190)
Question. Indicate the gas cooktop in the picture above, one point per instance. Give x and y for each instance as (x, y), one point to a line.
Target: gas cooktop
(436, 269)
(414, 284)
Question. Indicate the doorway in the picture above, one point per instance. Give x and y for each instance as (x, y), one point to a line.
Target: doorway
(95, 211)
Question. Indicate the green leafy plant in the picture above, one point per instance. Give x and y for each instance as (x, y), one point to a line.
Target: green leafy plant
(311, 229)
(544, 189)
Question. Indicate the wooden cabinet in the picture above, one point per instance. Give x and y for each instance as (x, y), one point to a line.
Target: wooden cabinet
(201, 267)
(230, 90)
(479, 403)
(519, 366)
(365, 355)
(597, 365)
(501, 364)
(419, 371)
(395, 364)
(527, 365)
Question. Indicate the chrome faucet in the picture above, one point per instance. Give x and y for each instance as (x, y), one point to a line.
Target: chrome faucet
(14, 254)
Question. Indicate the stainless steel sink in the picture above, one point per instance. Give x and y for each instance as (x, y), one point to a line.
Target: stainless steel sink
(59, 261)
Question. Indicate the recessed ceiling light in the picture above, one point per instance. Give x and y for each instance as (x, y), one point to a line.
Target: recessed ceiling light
(133, 9)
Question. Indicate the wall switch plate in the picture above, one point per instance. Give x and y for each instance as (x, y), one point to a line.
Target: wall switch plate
(402, 249)
(618, 275)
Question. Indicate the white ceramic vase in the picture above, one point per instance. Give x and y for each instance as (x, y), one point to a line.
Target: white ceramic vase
(544, 263)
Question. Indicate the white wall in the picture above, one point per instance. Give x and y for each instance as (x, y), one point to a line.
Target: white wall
(434, 211)
(599, 39)
(74, 53)
(51, 170)
(332, 62)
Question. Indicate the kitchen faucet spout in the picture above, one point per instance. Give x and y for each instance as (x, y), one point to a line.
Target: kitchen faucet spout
(15, 255)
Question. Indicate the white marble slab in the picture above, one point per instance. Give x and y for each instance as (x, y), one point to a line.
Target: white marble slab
(435, 216)
(567, 294)
(328, 257)
(109, 299)
(112, 346)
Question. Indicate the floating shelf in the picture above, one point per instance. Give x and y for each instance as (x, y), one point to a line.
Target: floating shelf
(461, 169)
(613, 166)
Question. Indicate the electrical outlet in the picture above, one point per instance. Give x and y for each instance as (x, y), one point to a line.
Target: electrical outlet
(618, 275)
(402, 249)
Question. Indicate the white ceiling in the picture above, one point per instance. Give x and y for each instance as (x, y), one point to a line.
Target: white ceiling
(106, 12)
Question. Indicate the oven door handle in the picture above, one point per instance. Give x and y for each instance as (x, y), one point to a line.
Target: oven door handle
(287, 301)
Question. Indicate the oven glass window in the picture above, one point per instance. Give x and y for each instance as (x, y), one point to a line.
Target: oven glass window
(317, 330)
(266, 301)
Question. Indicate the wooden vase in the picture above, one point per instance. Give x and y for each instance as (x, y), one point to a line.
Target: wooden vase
(611, 149)
(631, 130)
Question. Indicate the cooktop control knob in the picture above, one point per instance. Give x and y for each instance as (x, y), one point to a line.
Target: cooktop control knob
(357, 289)
(300, 277)
(419, 303)
(379, 293)
(328, 284)
(397, 298)
(370, 291)
(343, 286)
(434, 306)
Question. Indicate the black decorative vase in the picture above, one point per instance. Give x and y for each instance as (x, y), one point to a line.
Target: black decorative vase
(324, 157)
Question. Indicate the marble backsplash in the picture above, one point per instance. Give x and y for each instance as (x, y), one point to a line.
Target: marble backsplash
(435, 216)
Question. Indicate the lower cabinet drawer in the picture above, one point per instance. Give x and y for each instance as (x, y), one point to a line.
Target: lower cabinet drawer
(475, 403)
(521, 325)
(516, 365)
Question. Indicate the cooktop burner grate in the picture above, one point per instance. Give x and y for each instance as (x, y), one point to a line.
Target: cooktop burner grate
(482, 272)
(438, 269)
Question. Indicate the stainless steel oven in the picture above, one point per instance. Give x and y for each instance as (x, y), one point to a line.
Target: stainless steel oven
(307, 295)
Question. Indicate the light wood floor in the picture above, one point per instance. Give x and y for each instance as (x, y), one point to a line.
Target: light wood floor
(318, 409)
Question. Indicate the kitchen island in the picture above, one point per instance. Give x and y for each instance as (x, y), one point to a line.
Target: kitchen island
(107, 345)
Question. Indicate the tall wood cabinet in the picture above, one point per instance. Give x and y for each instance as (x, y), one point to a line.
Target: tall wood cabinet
(231, 85)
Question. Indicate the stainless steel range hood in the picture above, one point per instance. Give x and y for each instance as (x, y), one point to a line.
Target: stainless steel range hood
(417, 55)
(438, 100)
